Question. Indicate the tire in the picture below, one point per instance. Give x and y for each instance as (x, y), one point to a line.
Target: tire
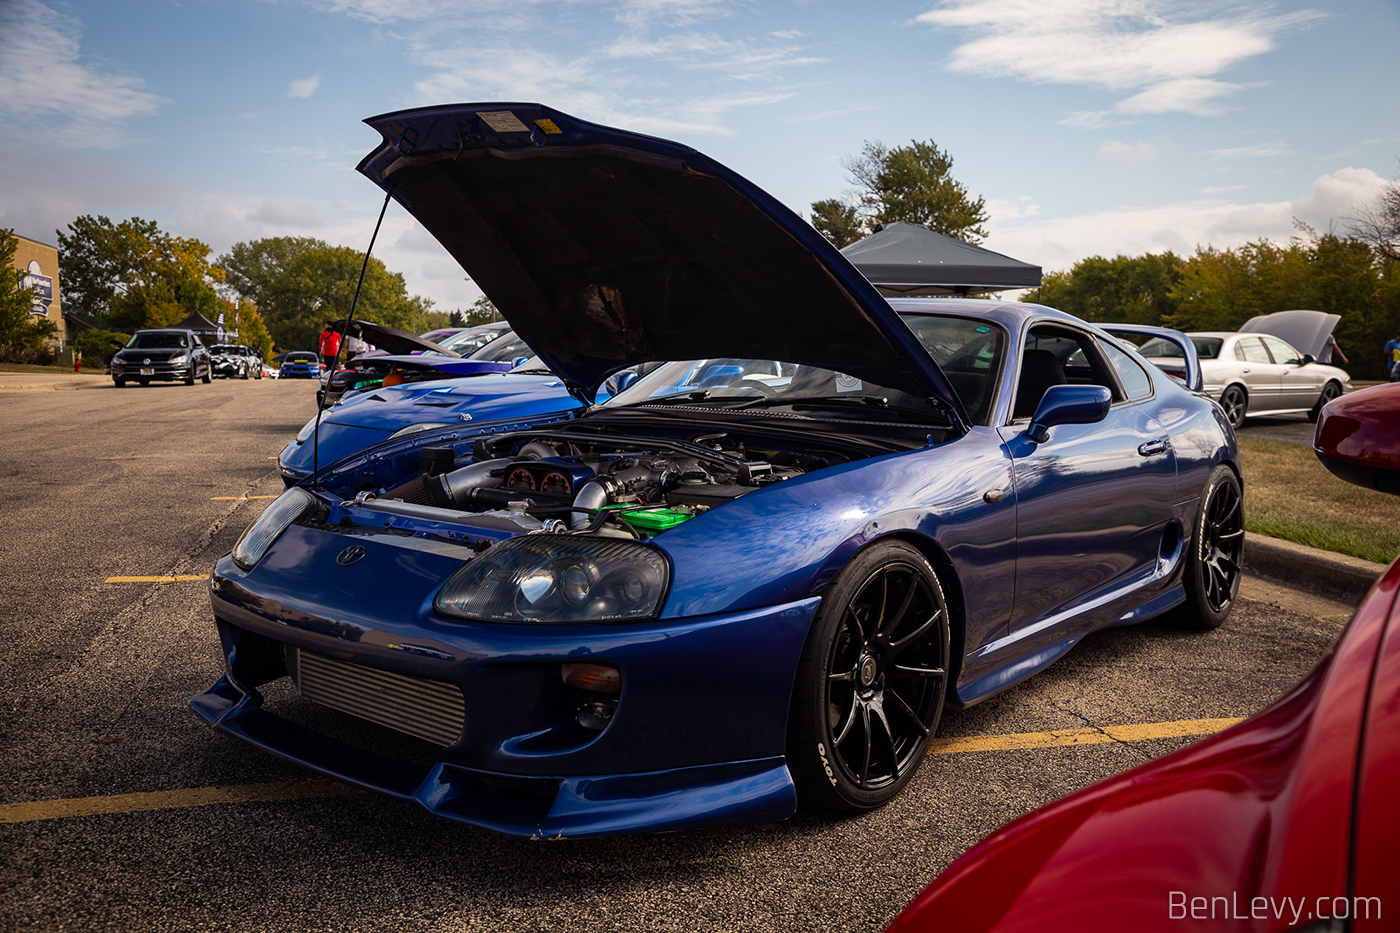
(1329, 392)
(1215, 553)
(144, 382)
(244, 376)
(119, 383)
(1235, 403)
(189, 380)
(871, 681)
(208, 375)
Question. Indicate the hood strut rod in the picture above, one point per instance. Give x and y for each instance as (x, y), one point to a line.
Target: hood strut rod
(335, 363)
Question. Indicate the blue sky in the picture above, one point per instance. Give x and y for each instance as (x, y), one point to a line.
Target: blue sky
(1089, 126)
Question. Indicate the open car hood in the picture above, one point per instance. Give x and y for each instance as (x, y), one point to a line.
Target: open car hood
(1306, 331)
(388, 338)
(605, 249)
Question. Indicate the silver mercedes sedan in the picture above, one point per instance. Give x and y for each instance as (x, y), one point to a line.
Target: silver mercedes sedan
(1256, 374)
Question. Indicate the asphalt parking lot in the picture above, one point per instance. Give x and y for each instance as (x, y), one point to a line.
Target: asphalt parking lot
(119, 810)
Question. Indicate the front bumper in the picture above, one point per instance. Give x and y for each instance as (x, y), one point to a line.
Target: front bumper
(156, 372)
(698, 737)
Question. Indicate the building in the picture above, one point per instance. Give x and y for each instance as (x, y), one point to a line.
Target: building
(39, 262)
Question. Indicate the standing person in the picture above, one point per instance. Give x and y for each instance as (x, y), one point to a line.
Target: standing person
(1328, 349)
(1392, 357)
(329, 348)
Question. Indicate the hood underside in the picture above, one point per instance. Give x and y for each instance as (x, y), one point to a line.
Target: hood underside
(388, 338)
(1306, 331)
(605, 249)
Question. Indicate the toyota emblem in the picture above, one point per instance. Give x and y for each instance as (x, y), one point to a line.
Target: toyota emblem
(350, 555)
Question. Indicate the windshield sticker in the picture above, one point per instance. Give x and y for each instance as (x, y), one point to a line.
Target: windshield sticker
(845, 383)
(549, 126)
(983, 330)
(502, 121)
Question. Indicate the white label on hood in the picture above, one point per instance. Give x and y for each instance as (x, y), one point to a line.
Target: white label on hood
(502, 121)
(845, 383)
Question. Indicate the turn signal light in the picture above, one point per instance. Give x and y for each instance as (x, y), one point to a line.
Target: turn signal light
(595, 678)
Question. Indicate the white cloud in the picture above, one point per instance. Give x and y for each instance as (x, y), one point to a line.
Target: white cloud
(1252, 152)
(1057, 243)
(1164, 52)
(43, 79)
(304, 87)
(1003, 209)
(1115, 151)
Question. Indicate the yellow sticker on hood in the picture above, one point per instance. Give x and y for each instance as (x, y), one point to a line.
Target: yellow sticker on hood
(548, 126)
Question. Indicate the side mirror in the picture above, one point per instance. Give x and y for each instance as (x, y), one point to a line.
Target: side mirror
(618, 382)
(1308, 358)
(1068, 405)
(519, 361)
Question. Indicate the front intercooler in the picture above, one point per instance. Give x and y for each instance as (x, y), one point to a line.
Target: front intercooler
(426, 709)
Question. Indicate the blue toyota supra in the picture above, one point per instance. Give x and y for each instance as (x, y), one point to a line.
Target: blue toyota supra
(751, 580)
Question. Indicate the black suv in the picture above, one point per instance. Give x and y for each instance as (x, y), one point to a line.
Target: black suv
(163, 355)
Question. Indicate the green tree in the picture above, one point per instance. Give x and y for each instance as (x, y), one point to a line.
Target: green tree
(22, 335)
(482, 311)
(914, 184)
(1127, 290)
(300, 284)
(132, 275)
(838, 221)
(252, 330)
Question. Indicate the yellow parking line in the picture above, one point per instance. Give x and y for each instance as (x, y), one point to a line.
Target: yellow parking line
(239, 498)
(295, 790)
(171, 799)
(178, 578)
(1061, 737)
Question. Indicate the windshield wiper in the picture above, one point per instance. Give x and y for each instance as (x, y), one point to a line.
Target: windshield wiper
(870, 401)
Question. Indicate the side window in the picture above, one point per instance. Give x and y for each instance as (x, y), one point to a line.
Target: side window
(1281, 351)
(1057, 356)
(1136, 383)
(1239, 352)
(1254, 351)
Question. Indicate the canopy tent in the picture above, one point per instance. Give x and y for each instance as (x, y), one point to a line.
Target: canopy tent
(199, 324)
(907, 260)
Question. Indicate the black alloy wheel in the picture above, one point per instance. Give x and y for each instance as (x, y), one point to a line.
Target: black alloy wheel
(1236, 405)
(872, 681)
(1329, 392)
(1214, 561)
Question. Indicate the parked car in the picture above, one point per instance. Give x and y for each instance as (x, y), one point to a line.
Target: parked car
(164, 354)
(1286, 821)
(442, 334)
(403, 358)
(474, 338)
(300, 364)
(235, 361)
(755, 576)
(1257, 374)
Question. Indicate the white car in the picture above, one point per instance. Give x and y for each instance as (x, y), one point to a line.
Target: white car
(1256, 373)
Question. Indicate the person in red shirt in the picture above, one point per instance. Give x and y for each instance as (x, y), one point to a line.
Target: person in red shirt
(330, 347)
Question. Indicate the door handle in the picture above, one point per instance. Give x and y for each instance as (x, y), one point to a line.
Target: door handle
(1153, 447)
(1245, 369)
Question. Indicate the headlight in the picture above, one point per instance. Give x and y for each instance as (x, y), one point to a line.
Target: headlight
(415, 428)
(558, 579)
(269, 526)
(179, 358)
(304, 434)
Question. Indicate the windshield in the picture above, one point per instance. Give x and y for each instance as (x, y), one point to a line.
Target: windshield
(969, 351)
(503, 349)
(1207, 348)
(300, 358)
(157, 340)
(469, 341)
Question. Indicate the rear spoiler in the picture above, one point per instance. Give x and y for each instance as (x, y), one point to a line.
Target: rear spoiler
(1186, 369)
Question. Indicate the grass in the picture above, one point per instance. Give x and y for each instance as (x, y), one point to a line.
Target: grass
(1288, 494)
(28, 368)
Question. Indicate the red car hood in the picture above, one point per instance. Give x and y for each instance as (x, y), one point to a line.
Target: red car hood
(1263, 810)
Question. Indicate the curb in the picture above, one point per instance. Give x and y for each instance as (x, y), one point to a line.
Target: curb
(1309, 567)
(48, 384)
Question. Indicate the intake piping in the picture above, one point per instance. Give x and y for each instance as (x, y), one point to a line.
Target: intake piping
(455, 488)
(593, 495)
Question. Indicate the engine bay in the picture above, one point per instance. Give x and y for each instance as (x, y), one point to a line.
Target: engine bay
(580, 482)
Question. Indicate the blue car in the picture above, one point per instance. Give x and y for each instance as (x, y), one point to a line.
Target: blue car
(485, 403)
(300, 365)
(756, 576)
